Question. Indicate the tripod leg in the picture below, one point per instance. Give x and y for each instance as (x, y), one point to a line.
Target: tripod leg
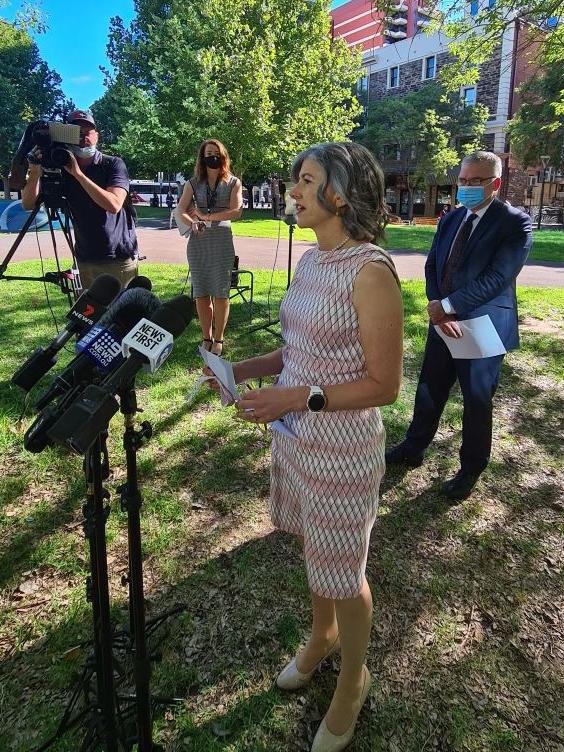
(18, 240)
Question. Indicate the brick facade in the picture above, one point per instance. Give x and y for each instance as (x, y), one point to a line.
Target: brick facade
(488, 83)
(410, 79)
(515, 186)
(488, 141)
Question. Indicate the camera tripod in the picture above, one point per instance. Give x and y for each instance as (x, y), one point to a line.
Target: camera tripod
(113, 720)
(290, 220)
(55, 205)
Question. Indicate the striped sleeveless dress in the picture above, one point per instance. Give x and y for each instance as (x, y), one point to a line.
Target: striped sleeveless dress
(211, 253)
(325, 482)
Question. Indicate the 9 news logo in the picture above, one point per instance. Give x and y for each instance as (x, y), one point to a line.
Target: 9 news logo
(104, 350)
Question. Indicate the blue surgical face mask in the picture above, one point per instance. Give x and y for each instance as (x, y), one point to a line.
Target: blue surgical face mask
(470, 195)
(83, 152)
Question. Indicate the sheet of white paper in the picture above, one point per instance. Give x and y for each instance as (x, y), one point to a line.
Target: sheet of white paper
(223, 371)
(192, 393)
(479, 339)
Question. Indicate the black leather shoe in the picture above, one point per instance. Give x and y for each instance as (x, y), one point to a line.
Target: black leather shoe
(460, 487)
(399, 455)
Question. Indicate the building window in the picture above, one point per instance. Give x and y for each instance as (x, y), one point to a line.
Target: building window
(474, 6)
(429, 67)
(469, 96)
(393, 77)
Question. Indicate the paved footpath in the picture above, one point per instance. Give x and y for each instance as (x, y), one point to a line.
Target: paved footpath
(161, 245)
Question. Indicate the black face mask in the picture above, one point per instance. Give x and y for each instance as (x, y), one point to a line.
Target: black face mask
(213, 162)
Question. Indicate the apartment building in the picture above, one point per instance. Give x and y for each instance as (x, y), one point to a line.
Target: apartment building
(398, 59)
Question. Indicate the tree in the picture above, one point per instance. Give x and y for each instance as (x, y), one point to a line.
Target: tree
(263, 76)
(425, 132)
(538, 126)
(29, 90)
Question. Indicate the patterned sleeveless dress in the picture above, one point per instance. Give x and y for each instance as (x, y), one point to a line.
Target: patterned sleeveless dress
(211, 253)
(325, 482)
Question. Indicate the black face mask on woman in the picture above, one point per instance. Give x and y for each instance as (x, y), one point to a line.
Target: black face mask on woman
(213, 161)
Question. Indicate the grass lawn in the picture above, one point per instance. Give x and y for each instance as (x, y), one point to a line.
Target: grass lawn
(548, 245)
(467, 648)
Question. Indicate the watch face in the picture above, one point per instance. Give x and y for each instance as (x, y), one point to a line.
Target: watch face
(316, 402)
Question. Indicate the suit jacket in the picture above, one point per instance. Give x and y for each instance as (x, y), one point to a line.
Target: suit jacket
(485, 280)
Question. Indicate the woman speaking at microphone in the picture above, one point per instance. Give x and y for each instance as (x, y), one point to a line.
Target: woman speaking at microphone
(210, 200)
(342, 326)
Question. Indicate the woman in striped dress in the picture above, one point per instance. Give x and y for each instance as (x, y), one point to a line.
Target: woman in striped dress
(342, 324)
(210, 200)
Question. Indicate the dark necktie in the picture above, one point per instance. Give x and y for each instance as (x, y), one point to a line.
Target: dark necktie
(456, 255)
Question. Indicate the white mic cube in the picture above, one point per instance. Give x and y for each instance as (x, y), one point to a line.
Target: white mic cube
(150, 340)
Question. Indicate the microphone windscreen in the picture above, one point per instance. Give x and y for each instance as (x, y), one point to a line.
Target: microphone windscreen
(140, 281)
(130, 315)
(169, 319)
(183, 305)
(104, 289)
(146, 301)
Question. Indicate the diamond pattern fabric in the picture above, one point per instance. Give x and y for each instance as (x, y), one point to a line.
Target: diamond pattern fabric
(325, 482)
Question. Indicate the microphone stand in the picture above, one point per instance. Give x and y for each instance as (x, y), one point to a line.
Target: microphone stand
(139, 628)
(131, 502)
(107, 722)
(290, 220)
(100, 710)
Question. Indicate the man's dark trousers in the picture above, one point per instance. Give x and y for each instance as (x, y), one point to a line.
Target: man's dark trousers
(478, 379)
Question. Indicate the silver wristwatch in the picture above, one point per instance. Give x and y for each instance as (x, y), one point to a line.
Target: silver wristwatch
(316, 400)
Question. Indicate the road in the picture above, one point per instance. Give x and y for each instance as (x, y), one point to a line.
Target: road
(161, 245)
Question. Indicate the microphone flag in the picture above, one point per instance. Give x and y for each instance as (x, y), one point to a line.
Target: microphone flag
(151, 340)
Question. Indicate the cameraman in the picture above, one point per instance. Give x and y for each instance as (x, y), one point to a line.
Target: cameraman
(96, 187)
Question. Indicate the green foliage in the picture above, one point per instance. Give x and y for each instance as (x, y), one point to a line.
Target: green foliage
(29, 89)
(538, 126)
(262, 76)
(429, 130)
(476, 38)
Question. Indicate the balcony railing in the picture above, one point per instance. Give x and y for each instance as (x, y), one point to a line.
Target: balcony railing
(398, 20)
(399, 7)
(394, 34)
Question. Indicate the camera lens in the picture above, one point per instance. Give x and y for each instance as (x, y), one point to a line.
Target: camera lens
(60, 156)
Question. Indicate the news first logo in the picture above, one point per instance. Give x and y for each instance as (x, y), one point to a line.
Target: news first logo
(151, 341)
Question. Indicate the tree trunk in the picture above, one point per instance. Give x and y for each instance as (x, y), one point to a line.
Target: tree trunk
(410, 203)
(6, 187)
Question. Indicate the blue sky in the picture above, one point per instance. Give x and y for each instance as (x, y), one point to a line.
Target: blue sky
(75, 43)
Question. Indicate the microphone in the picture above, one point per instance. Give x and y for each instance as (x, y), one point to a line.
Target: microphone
(90, 306)
(147, 345)
(140, 281)
(289, 210)
(100, 347)
(100, 352)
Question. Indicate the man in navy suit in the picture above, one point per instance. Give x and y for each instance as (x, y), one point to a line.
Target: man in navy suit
(477, 253)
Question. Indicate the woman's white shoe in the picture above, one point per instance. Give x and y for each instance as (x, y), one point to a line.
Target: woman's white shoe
(325, 741)
(292, 678)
